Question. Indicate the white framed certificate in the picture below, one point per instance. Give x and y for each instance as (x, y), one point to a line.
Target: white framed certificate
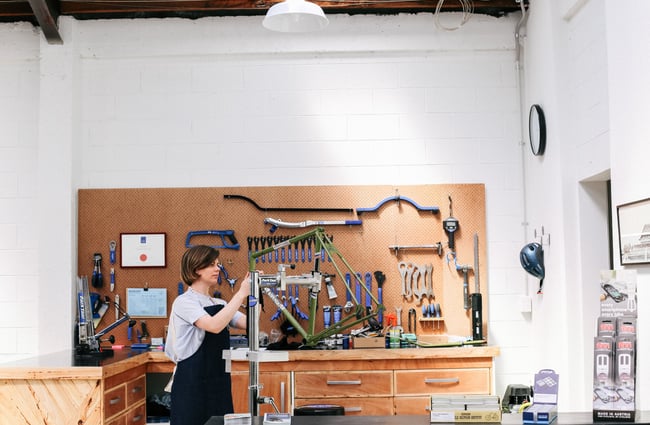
(143, 249)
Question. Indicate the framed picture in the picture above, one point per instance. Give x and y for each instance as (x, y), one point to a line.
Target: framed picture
(143, 249)
(634, 232)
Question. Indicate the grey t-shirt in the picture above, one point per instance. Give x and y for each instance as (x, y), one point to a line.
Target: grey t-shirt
(183, 338)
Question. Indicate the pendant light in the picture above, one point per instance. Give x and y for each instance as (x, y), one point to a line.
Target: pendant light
(295, 16)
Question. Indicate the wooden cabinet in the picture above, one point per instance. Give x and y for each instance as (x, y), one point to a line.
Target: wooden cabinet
(375, 381)
(274, 384)
(124, 398)
(364, 381)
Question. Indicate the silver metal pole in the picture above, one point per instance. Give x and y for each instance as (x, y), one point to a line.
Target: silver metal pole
(253, 344)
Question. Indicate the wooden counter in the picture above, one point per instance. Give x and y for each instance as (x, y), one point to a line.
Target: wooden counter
(59, 388)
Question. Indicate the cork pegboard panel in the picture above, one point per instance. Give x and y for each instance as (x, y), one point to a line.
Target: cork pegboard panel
(104, 214)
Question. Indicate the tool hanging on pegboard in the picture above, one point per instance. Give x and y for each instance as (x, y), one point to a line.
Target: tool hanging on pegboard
(97, 278)
(227, 237)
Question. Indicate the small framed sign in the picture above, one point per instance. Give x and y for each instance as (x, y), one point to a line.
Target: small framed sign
(634, 232)
(143, 249)
(146, 302)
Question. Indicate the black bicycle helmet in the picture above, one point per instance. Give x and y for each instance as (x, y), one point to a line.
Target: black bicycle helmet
(532, 260)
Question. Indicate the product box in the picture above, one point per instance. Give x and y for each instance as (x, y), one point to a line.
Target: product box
(370, 342)
(618, 293)
(465, 408)
(277, 419)
(545, 393)
(615, 348)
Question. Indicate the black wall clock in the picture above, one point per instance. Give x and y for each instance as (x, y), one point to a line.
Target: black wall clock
(537, 130)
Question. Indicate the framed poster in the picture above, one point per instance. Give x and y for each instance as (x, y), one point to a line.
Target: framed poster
(143, 249)
(634, 232)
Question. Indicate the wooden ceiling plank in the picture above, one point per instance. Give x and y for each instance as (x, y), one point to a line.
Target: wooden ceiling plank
(47, 15)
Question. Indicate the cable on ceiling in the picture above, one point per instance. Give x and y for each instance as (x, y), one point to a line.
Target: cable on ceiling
(467, 8)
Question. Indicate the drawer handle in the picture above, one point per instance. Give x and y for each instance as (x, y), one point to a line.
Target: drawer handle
(441, 380)
(115, 400)
(136, 418)
(344, 382)
(136, 390)
(352, 409)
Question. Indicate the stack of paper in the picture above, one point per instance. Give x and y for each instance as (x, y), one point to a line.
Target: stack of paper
(237, 419)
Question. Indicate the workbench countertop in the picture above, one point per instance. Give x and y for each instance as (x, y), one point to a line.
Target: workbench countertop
(65, 364)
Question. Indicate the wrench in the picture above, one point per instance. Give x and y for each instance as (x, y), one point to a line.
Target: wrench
(415, 282)
(269, 240)
(428, 268)
(406, 271)
(263, 243)
(347, 308)
(368, 278)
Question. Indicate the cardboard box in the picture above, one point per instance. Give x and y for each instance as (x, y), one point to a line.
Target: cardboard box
(465, 408)
(545, 393)
(467, 416)
(371, 342)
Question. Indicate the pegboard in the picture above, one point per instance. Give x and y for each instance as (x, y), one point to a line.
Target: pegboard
(104, 214)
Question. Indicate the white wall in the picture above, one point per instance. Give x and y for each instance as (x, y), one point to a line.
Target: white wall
(576, 69)
(19, 217)
(370, 100)
(628, 46)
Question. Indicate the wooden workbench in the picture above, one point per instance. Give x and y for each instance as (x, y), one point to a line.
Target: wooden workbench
(61, 389)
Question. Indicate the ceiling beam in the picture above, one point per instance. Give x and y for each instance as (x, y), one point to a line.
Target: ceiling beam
(46, 15)
(95, 9)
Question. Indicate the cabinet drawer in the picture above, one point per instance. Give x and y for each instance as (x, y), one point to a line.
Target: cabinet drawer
(359, 406)
(136, 391)
(412, 405)
(434, 381)
(114, 401)
(136, 415)
(343, 384)
(118, 420)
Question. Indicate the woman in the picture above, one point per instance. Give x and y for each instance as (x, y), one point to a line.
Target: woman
(197, 335)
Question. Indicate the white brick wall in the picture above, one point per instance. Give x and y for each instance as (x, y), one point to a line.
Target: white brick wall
(19, 79)
(402, 104)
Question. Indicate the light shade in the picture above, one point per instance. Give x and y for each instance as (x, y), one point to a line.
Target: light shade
(295, 16)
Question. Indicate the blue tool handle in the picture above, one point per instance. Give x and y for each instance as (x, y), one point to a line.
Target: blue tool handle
(348, 295)
(358, 288)
(353, 222)
(369, 288)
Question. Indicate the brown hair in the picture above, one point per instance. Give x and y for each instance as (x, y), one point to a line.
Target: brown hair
(196, 258)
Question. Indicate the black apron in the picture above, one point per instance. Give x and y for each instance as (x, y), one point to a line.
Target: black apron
(201, 386)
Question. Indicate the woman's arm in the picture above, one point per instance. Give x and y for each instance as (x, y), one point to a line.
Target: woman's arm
(219, 321)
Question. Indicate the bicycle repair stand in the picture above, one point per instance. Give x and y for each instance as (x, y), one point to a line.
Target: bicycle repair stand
(264, 284)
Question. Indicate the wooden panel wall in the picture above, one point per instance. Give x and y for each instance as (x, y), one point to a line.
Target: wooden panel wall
(106, 213)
